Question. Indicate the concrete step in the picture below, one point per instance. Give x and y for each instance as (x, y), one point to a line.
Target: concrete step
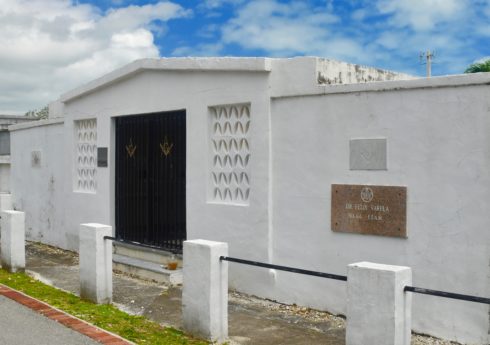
(146, 269)
(146, 254)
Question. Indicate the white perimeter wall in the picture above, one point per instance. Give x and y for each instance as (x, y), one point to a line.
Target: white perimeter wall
(38, 190)
(439, 147)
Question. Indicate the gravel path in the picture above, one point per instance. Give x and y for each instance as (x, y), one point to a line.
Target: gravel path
(317, 317)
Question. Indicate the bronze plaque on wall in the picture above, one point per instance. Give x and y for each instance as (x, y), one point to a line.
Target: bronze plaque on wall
(365, 209)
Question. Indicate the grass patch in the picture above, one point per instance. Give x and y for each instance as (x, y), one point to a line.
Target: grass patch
(135, 328)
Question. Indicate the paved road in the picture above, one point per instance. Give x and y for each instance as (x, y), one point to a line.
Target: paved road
(20, 325)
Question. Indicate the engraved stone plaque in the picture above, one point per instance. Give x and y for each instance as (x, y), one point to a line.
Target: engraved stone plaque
(366, 209)
(368, 154)
(102, 157)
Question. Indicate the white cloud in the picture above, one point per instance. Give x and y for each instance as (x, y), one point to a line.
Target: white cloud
(390, 40)
(209, 31)
(454, 29)
(296, 28)
(213, 4)
(51, 46)
(359, 14)
(206, 49)
(280, 28)
(384, 33)
(422, 15)
(487, 9)
(133, 17)
(123, 48)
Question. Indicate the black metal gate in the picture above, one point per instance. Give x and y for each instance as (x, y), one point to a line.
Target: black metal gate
(150, 179)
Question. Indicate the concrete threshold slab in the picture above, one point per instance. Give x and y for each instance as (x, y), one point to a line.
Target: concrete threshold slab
(159, 256)
(146, 269)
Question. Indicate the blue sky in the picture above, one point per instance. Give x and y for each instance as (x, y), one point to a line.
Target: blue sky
(51, 46)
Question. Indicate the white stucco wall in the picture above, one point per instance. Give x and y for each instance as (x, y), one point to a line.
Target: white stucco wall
(439, 147)
(38, 190)
(244, 227)
(4, 173)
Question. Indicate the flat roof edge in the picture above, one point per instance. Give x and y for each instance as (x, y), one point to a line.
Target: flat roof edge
(18, 117)
(37, 123)
(225, 64)
(393, 85)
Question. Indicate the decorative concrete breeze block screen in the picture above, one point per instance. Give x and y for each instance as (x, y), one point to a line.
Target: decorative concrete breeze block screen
(86, 155)
(230, 154)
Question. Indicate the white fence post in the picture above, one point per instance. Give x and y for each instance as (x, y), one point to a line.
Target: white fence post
(378, 310)
(95, 263)
(13, 248)
(205, 290)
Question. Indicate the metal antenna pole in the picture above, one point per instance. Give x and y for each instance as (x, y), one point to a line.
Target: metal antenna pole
(429, 57)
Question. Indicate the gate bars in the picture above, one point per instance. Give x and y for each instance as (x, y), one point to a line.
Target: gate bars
(150, 192)
(413, 289)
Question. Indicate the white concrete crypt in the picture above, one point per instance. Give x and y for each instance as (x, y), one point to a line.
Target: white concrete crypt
(246, 150)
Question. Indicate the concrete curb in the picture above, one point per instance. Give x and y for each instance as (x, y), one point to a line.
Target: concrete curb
(80, 326)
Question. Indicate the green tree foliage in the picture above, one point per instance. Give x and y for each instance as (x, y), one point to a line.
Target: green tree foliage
(42, 113)
(479, 67)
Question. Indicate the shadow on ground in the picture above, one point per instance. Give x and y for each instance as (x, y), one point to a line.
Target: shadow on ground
(251, 320)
